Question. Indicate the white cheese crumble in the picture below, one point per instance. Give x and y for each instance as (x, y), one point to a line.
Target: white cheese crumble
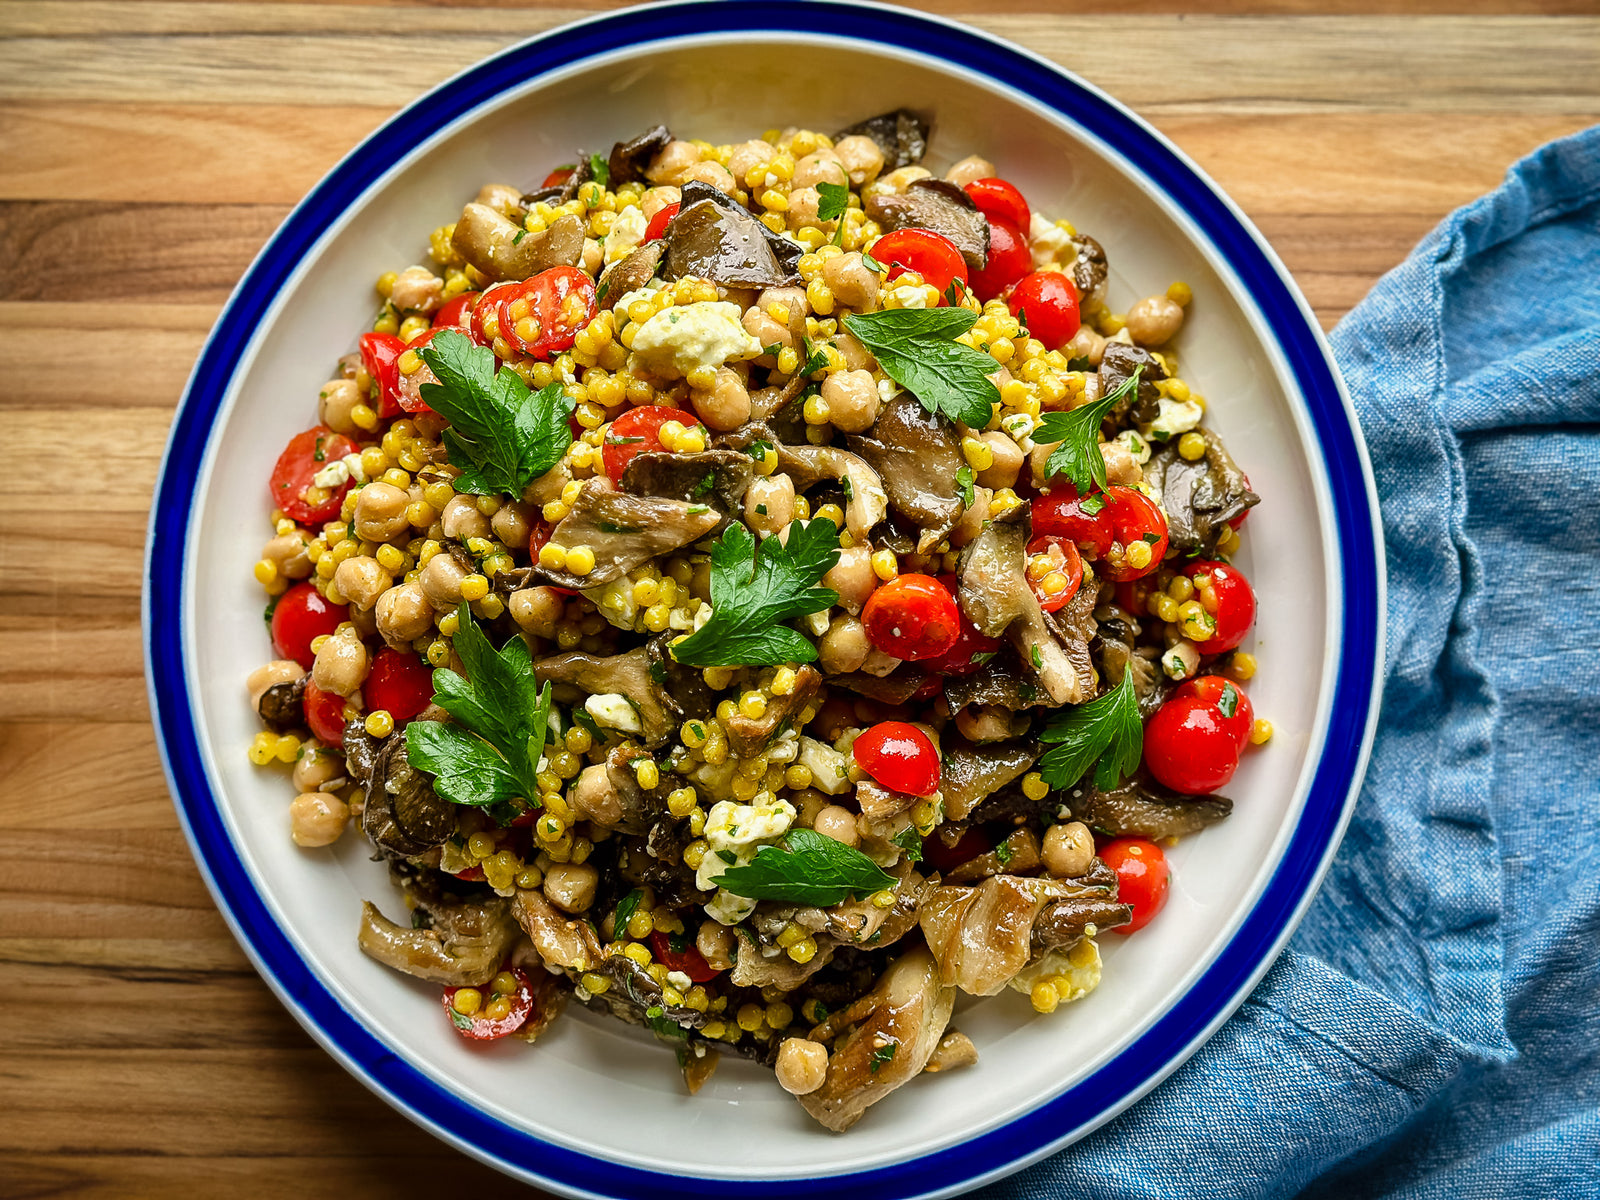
(615, 602)
(888, 389)
(679, 980)
(1174, 417)
(352, 464)
(1049, 243)
(734, 826)
(336, 474)
(706, 333)
(908, 296)
(614, 712)
(1135, 445)
(626, 232)
(1181, 661)
(830, 770)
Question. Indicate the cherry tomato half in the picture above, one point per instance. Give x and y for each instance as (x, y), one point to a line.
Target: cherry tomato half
(1000, 201)
(658, 223)
(899, 756)
(1009, 260)
(912, 617)
(1047, 302)
(539, 316)
(380, 358)
(1232, 603)
(1049, 556)
(1063, 513)
(1228, 698)
(559, 176)
(302, 615)
(511, 985)
(485, 311)
(409, 393)
(1105, 526)
(325, 715)
(1143, 878)
(296, 470)
(399, 684)
(1189, 747)
(929, 254)
(962, 657)
(454, 313)
(686, 957)
(638, 430)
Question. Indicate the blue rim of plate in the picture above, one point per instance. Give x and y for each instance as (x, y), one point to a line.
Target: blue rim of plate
(1178, 1032)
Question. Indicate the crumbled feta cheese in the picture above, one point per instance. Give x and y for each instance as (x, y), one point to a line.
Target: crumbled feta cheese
(352, 464)
(908, 296)
(706, 333)
(1135, 445)
(888, 389)
(734, 826)
(1174, 417)
(830, 770)
(1075, 971)
(1019, 426)
(784, 748)
(626, 232)
(641, 293)
(615, 602)
(1049, 243)
(819, 621)
(335, 475)
(614, 712)
(679, 622)
(679, 980)
(728, 909)
(1181, 661)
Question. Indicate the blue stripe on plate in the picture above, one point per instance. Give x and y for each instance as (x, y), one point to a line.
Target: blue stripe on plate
(1176, 1034)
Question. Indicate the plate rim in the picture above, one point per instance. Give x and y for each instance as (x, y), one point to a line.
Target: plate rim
(1176, 1033)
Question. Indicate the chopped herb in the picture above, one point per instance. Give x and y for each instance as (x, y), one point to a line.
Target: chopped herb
(459, 1021)
(1092, 504)
(1228, 702)
(759, 449)
(954, 294)
(761, 509)
(1107, 729)
(600, 169)
(964, 485)
(882, 1054)
(705, 485)
(1003, 853)
(815, 359)
(581, 716)
(658, 674)
(1038, 657)
(319, 454)
(272, 603)
(871, 263)
(910, 843)
(847, 487)
(728, 857)
(1078, 456)
(773, 350)
(833, 200)
(806, 867)
(625, 910)
(621, 441)
(1079, 362)
(1150, 539)
(917, 348)
(984, 656)
(516, 238)
(699, 508)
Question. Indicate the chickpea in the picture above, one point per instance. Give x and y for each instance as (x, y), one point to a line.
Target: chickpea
(794, 300)
(839, 823)
(594, 798)
(852, 577)
(288, 552)
(747, 156)
(1121, 466)
(418, 290)
(537, 609)
(969, 169)
(900, 178)
(973, 517)
(714, 173)
(1008, 456)
(726, 405)
(548, 486)
(336, 401)
(316, 766)
(675, 158)
(844, 647)
(462, 520)
(990, 723)
(856, 356)
(381, 512)
(852, 283)
(769, 503)
(502, 197)
(441, 581)
(657, 198)
(571, 886)
(594, 256)
(512, 523)
(804, 209)
(861, 156)
(880, 664)
(365, 621)
(279, 670)
(1086, 343)
(822, 166)
(341, 665)
(1068, 849)
(853, 400)
(1155, 321)
(361, 580)
(802, 1065)
(317, 819)
(403, 614)
(759, 325)
(715, 942)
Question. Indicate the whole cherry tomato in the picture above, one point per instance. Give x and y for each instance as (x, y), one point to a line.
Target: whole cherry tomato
(929, 254)
(325, 715)
(677, 952)
(1189, 747)
(1000, 201)
(1047, 303)
(1143, 878)
(540, 317)
(1232, 603)
(478, 1026)
(963, 656)
(380, 358)
(638, 430)
(899, 756)
(301, 615)
(399, 684)
(454, 313)
(1009, 260)
(912, 617)
(1228, 698)
(559, 176)
(1050, 555)
(1106, 527)
(1063, 513)
(658, 223)
(303, 459)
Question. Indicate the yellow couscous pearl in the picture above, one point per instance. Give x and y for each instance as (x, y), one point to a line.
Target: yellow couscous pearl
(1034, 787)
(553, 557)
(1260, 732)
(1138, 555)
(1242, 666)
(1192, 447)
(1045, 998)
(647, 773)
(467, 1001)
(580, 560)
(638, 953)
(474, 587)
(803, 951)
(1180, 293)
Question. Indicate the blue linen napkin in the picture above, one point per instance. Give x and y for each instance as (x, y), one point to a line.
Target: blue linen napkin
(1434, 1028)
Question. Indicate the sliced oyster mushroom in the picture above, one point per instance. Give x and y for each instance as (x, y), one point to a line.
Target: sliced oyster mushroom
(625, 531)
(955, 1049)
(1063, 922)
(1089, 271)
(970, 773)
(403, 814)
(1145, 808)
(1121, 360)
(916, 456)
(1017, 854)
(866, 503)
(992, 587)
(901, 135)
(560, 941)
(463, 947)
(982, 936)
(879, 803)
(941, 206)
(559, 193)
(502, 249)
(1200, 497)
(1001, 682)
(749, 736)
(629, 274)
(629, 159)
(1113, 648)
(715, 477)
(625, 675)
(714, 237)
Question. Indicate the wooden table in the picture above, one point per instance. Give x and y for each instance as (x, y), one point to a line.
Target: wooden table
(140, 1053)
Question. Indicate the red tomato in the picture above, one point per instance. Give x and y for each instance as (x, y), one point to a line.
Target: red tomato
(297, 467)
(1000, 201)
(488, 303)
(689, 960)
(1228, 698)
(913, 617)
(658, 223)
(1063, 557)
(1047, 302)
(301, 615)
(325, 715)
(409, 395)
(536, 317)
(1189, 747)
(1009, 260)
(1142, 878)
(453, 313)
(1104, 525)
(1233, 603)
(962, 657)
(899, 756)
(929, 254)
(638, 430)
(940, 857)
(1063, 513)
(380, 358)
(557, 177)
(482, 1028)
(400, 684)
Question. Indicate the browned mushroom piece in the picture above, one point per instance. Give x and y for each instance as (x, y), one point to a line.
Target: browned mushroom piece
(1089, 271)
(969, 773)
(463, 947)
(403, 814)
(638, 807)
(983, 935)
(1201, 497)
(625, 531)
(940, 206)
(749, 736)
(629, 159)
(549, 999)
(1142, 807)
(1115, 652)
(1117, 363)
(629, 274)
(955, 1049)
(715, 477)
(1001, 683)
(1017, 854)
(282, 706)
(916, 455)
(866, 503)
(612, 674)
(901, 135)
(560, 940)
(502, 249)
(879, 803)
(714, 237)
(1063, 922)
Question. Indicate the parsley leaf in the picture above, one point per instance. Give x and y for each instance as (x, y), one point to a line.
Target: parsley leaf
(917, 348)
(834, 199)
(1107, 728)
(489, 756)
(600, 169)
(625, 910)
(872, 264)
(910, 843)
(964, 484)
(1228, 702)
(806, 867)
(502, 436)
(815, 359)
(1078, 456)
(756, 587)
(1004, 853)
(881, 1055)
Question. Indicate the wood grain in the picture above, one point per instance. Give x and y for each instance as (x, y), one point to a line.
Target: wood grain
(150, 147)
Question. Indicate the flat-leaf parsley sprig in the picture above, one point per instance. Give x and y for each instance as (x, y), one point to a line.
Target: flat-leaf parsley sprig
(806, 867)
(1078, 456)
(1107, 729)
(917, 348)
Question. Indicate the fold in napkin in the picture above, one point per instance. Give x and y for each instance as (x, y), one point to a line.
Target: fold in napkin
(1434, 1029)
